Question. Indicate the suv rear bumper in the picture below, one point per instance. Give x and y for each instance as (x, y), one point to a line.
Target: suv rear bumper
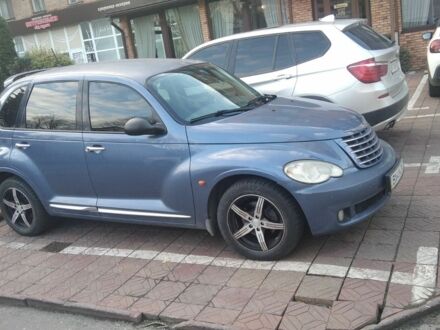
(383, 116)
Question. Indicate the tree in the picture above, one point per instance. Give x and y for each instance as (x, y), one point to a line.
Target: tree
(7, 52)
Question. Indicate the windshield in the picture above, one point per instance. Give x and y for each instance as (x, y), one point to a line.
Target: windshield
(200, 90)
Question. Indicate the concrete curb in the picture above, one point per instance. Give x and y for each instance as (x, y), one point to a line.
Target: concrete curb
(196, 325)
(406, 315)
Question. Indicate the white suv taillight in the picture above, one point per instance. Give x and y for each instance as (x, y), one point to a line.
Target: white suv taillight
(435, 46)
(368, 71)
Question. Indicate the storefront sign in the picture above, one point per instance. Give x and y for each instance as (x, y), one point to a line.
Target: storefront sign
(41, 22)
(341, 5)
(114, 6)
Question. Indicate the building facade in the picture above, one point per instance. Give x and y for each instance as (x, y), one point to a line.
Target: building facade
(100, 30)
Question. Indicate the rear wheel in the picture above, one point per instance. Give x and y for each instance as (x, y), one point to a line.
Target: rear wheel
(434, 91)
(259, 220)
(22, 209)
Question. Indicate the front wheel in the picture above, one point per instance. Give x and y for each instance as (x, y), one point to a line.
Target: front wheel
(22, 209)
(259, 220)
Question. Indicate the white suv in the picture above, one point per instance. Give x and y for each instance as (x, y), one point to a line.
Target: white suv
(342, 61)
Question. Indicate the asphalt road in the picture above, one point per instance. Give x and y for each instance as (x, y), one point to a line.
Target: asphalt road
(429, 322)
(26, 318)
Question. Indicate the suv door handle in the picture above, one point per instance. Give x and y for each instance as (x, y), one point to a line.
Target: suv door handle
(22, 145)
(284, 76)
(95, 149)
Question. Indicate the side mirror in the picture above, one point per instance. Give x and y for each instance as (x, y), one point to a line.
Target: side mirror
(141, 126)
(427, 36)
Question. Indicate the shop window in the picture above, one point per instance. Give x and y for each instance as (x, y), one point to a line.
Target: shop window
(19, 46)
(148, 37)
(102, 42)
(341, 8)
(234, 16)
(420, 13)
(5, 9)
(38, 6)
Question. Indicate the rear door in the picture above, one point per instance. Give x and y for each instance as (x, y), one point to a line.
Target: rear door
(382, 50)
(267, 63)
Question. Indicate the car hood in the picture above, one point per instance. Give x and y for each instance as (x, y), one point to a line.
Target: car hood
(282, 120)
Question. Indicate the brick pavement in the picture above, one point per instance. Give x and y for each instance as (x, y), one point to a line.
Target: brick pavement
(343, 281)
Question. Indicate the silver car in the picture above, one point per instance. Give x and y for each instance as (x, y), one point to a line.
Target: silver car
(341, 61)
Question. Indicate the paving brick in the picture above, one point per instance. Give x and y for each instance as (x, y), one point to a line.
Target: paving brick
(150, 308)
(301, 316)
(166, 290)
(269, 302)
(137, 286)
(384, 252)
(422, 224)
(352, 315)
(185, 272)
(247, 278)
(342, 249)
(232, 298)
(424, 207)
(318, 290)
(282, 280)
(215, 275)
(389, 311)
(117, 301)
(217, 315)
(198, 294)
(404, 296)
(156, 269)
(390, 237)
(255, 321)
(363, 291)
(177, 312)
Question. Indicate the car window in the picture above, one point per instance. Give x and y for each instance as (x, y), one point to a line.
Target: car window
(283, 56)
(254, 56)
(216, 54)
(111, 105)
(310, 45)
(367, 38)
(9, 110)
(52, 106)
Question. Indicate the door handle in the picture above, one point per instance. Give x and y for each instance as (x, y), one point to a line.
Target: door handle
(95, 149)
(284, 76)
(22, 145)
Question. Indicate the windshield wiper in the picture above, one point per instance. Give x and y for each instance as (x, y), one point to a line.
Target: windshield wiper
(262, 99)
(221, 113)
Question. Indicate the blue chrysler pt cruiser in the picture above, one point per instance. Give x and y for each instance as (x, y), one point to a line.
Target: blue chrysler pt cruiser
(183, 143)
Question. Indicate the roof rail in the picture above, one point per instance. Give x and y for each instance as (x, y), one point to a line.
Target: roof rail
(17, 76)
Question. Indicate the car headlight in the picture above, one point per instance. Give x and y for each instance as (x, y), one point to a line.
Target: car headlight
(312, 171)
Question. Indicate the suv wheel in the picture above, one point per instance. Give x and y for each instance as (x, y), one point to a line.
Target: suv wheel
(259, 220)
(22, 209)
(434, 91)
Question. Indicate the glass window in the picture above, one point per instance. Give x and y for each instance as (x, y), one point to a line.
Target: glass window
(186, 29)
(52, 106)
(5, 9)
(8, 113)
(19, 46)
(38, 5)
(199, 90)
(216, 54)
(416, 13)
(310, 45)
(112, 105)
(367, 38)
(254, 56)
(283, 56)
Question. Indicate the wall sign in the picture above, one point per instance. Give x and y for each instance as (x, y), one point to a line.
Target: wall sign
(41, 22)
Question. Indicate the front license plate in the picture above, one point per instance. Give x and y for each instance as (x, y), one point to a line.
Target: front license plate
(394, 176)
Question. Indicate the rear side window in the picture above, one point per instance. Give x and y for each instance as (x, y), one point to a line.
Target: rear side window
(310, 45)
(216, 54)
(366, 37)
(8, 113)
(52, 106)
(111, 105)
(254, 56)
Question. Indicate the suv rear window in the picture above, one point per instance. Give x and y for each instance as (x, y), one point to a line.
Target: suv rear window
(366, 37)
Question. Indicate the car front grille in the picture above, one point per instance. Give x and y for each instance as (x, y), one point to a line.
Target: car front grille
(363, 147)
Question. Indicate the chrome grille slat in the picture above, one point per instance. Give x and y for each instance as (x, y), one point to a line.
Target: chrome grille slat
(363, 147)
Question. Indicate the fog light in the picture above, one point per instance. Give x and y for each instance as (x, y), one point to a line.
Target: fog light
(341, 215)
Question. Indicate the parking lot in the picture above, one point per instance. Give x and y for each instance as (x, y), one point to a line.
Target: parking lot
(344, 281)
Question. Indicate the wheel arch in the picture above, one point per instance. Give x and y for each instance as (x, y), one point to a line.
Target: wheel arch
(222, 185)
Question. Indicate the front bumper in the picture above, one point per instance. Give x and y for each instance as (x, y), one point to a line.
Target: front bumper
(359, 192)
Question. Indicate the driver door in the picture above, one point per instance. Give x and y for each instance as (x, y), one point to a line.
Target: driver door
(137, 178)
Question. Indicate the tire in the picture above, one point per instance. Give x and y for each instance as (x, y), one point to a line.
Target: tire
(279, 212)
(434, 91)
(29, 221)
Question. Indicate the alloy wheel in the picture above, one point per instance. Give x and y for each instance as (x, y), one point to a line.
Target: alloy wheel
(18, 208)
(255, 222)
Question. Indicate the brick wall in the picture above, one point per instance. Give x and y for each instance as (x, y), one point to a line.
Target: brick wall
(381, 16)
(302, 11)
(204, 20)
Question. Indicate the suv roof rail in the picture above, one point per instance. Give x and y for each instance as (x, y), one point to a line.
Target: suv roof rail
(17, 76)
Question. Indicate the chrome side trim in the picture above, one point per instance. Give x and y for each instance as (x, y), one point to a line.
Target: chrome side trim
(143, 214)
(74, 207)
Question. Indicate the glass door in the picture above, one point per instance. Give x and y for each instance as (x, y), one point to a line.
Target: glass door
(341, 8)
